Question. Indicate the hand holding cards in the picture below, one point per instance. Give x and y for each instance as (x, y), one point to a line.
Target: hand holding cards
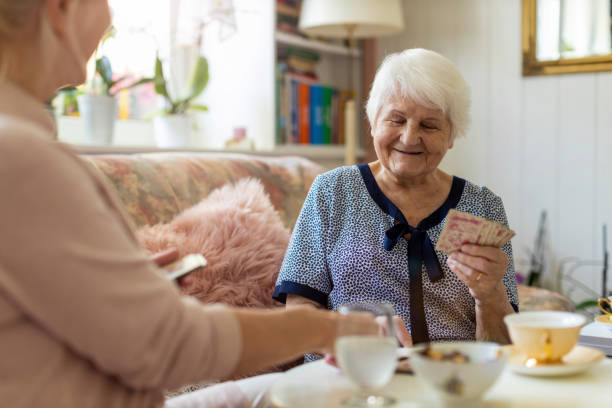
(184, 266)
(464, 228)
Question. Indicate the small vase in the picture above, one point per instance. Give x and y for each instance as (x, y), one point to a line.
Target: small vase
(173, 131)
(99, 113)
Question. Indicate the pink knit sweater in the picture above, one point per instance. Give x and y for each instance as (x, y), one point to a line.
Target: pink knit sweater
(85, 318)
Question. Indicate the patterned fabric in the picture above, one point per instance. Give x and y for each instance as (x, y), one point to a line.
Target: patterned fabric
(155, 187)
(337, 254)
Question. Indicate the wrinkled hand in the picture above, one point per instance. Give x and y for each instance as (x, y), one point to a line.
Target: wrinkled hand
(481, 268)
(168, 256)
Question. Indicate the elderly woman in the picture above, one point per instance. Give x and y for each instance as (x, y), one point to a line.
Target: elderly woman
(368, 232)
(86, 319)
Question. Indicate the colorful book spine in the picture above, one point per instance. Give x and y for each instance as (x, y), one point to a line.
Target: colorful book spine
(304, 113)
(281, 115)
(327, 114)
(334, 127)
(316, 114)
(341, 105)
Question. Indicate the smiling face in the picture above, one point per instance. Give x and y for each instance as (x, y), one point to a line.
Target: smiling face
(410, 140)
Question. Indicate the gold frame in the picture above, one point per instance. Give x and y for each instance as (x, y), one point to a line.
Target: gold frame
(531, 66)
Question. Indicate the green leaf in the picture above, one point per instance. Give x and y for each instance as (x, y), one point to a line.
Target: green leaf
(586, 304)
(160, 82)
(198, 108)
(199, 78)
(103, 67)
(134, 85)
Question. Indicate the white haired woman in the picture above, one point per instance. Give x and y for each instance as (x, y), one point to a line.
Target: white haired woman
(86, 319)
(368, 232)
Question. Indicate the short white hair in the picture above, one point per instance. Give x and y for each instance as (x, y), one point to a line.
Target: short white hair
(429, 79)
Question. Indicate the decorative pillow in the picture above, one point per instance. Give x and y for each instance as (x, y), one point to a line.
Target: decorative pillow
(241, 235)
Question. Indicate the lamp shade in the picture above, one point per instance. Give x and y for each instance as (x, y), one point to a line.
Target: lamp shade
(369, 18)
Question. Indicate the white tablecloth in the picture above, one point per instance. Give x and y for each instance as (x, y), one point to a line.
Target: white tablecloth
(318, 384)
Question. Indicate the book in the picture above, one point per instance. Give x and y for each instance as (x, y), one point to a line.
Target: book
(316, 114)
(304, 113)
(327, 114)
(287, 10)
(281, 121)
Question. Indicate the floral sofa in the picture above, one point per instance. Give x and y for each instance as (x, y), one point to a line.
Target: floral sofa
(155, 187)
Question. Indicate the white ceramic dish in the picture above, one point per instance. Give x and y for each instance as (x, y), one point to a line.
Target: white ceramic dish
(604, 321)
(578, 360)
(460, 384)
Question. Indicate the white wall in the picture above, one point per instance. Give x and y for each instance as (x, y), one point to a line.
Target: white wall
(538, 142)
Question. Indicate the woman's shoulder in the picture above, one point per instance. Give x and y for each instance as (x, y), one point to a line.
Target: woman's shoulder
(473, 190)
(26, 148)
(480, 200)
(340, 179)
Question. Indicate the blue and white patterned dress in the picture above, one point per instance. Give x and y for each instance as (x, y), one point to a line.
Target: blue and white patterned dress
(349, 245)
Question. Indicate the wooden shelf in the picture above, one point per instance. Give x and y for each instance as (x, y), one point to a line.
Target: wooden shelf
(296, 41)
(324, 152)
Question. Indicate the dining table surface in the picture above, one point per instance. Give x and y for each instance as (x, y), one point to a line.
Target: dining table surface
(318, 384)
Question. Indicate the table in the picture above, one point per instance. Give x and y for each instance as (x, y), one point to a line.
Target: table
(318, 384)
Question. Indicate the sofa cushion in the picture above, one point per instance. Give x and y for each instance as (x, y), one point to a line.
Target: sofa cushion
(241, 235)
(155, 187)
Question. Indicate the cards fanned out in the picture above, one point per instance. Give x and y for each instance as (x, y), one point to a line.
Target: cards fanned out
(464, 228)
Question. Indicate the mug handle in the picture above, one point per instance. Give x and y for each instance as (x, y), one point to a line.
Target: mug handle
(604, 300)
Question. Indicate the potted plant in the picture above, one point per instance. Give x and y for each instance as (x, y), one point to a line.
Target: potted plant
(98, 105)
(172, 125)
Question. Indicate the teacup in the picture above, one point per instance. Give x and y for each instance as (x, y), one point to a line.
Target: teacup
(544, 337)
(605, 301)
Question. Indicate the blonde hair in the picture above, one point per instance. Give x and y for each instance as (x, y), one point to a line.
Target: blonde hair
(14, 16)
(429, 79)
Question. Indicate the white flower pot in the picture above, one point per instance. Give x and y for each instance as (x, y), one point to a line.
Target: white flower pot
(99, 113)
(173, 131)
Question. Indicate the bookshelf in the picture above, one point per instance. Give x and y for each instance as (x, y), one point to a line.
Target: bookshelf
(334, 60)
(300, 42)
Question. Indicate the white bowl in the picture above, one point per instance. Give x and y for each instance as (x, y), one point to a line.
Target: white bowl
(460, 384)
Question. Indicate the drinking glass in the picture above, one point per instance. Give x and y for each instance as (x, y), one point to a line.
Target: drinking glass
(367, 360)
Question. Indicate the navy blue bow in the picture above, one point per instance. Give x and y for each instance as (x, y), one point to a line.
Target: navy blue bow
(420, 248)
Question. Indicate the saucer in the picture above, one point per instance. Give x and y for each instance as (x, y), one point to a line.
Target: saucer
(578, 360)
(604, 320)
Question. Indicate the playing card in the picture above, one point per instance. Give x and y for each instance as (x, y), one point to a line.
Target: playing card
(184, 266)
(464, 228)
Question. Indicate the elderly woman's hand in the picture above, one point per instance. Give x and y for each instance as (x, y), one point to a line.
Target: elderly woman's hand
(481, 268)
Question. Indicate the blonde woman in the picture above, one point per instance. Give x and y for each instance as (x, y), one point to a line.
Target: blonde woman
(85, 319)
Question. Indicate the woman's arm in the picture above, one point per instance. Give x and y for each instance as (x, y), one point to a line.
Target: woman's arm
(297, 300)
(270, 337)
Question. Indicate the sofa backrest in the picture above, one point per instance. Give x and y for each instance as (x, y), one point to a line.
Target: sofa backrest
(155, 187)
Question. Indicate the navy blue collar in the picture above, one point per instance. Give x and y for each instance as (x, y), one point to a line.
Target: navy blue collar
(388, 207)
(420, 249)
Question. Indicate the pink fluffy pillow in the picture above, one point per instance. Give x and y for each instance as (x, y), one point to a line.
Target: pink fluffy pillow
(241, 235)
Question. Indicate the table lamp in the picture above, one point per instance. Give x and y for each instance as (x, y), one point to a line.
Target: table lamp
(351, 19)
